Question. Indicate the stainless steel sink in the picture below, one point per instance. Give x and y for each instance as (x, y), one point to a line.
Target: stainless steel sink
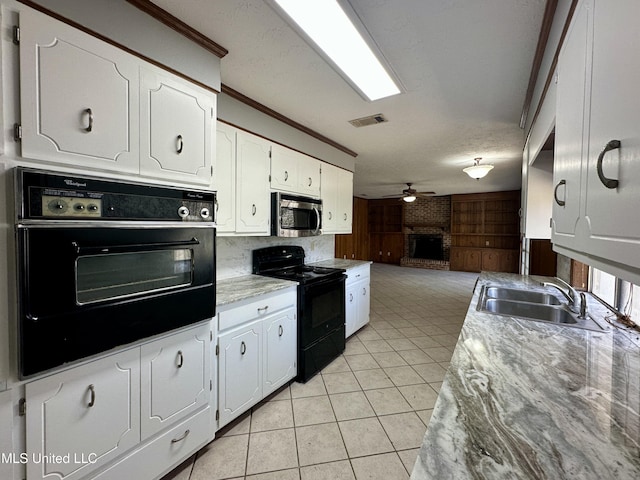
(535, 311)
(531, 305)
(518, 295)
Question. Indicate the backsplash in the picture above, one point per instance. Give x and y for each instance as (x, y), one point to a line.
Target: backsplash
(233, 254)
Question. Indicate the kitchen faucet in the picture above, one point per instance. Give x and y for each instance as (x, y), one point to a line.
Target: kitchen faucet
(572, 296)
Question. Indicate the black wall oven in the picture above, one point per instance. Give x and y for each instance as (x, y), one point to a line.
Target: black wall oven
(102, 264)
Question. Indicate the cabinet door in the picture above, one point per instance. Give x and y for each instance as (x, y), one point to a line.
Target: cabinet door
(571, 111)
(491, 261)
(284, 168)
(612, 213)
(351, 309)
(279, 342)
(175, 374)
(90, 413)
(239, 371)
(345, 201)
(79, 98)
(309, 176)
(175, 128)
(472, 260)
(330, 207)
(225, 178)
(364, 303)
(6, 433)
(253, 201)
(457, 259)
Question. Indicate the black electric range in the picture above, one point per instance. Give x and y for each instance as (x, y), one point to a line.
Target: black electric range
(321, 305)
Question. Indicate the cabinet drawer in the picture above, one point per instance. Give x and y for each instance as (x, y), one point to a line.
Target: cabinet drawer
(357, 273)
(264, 305)
(165, 452)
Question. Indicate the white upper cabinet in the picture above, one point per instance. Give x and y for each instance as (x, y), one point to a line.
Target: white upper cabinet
(571, 112)
(253, 201)
(224, 178)
(294, 172)
(611, 211)
(337, 199)
(79, 98)
(175, 128)
(90, 105)
(597, 139)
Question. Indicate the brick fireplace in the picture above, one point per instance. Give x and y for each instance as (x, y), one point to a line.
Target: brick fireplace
(427, 233)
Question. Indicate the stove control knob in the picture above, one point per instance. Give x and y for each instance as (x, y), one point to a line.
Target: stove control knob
(204, 213)
(183, 212)
(92, 207)
(79, 207)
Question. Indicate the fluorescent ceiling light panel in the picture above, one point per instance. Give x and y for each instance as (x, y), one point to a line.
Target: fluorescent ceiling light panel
(326, 23)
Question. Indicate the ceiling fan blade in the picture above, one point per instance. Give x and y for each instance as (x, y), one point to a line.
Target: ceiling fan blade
(396, 195)
(424, 194)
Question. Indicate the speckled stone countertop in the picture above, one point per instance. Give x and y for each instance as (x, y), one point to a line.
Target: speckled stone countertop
(235, 289)
(341, 263)
(531, 400)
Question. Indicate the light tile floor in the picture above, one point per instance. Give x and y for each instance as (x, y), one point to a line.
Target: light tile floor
(364, 416)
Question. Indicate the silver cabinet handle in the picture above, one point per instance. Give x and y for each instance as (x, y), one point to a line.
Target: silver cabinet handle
(555, 193)
(286, 175)
(181, 437)
(89, 112)
(607, 182)
(350, 297)
(92, 392)
(253, 210)
(179, 144)
(180, 359)
(280, 330)
(243, 348)
(310, 181)
(345, 217)
(364, 291)
(330, 215)
(263, 309)
(217, 204)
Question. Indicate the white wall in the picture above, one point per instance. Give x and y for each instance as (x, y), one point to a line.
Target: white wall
(539, 196)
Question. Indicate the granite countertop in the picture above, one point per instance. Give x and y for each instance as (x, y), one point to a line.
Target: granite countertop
(531, 400)
(235, 289)
(341, 263)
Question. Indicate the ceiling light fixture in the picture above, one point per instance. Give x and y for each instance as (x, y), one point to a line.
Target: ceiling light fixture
(329, 27)
(477, 171)
(409, 198)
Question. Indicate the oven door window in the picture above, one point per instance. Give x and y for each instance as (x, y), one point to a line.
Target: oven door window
(119, 275)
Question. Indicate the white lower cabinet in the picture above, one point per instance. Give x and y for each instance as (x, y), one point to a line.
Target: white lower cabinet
(140, 410)
(90, 413)
(357, 298)
(257, 343)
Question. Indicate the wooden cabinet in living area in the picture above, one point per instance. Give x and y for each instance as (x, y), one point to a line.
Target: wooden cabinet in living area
(386, 240)
(112, 414)
(89, 105)
(485, 232)
(257, 349)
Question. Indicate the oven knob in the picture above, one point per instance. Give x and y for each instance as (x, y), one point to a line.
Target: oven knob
(79, 207)
(204, 213)
(92, 207)
(183, 212)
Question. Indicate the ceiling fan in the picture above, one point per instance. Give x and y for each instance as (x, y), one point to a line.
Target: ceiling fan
(410, 194)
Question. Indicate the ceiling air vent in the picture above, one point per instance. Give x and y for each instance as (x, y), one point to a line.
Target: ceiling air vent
(370, 120)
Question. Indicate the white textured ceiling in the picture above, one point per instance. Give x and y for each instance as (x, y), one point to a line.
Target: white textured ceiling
(463, 64)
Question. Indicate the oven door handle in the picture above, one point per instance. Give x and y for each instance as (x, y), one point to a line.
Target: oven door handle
(136, 247)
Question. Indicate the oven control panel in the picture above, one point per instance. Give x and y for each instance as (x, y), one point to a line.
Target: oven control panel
(54, 196)
(56, 206)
